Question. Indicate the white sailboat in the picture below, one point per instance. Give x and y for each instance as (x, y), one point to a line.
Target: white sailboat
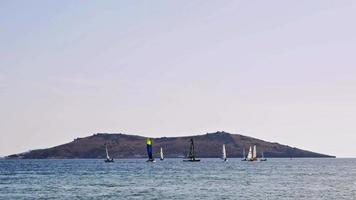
(243, 155)
(108, 159)
(161, 154)
(252, 154)
(224, 153)
(263, 157)
(249, 155)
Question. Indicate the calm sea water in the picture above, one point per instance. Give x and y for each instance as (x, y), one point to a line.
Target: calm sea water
(174, 179)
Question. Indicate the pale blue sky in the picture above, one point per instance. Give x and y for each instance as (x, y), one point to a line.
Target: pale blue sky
(281, 71)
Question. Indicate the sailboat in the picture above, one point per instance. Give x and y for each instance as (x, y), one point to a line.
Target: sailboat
(161, 154)
(224, 153)
(249, 155)
(244, 155)
(191, 155)
(149, 150)
(263, 157)
(108, 159)
(252, 154)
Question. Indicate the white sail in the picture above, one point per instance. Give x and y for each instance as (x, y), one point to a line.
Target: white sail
(249, 155)
(224, 152)
(254, 154)
(107, 153)
(162, 154)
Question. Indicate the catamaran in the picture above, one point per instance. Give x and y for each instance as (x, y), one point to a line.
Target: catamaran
(252, 154)
(108, 159)
(161, 154)
(149, 150)
(244, 155)
(224, 153)
(191, 155)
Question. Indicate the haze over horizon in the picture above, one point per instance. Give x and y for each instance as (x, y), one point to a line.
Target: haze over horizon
(281, 71)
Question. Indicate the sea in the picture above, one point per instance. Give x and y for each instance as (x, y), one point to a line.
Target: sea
(297, 178)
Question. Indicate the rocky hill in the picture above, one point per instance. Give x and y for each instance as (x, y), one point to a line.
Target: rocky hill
(132, 146)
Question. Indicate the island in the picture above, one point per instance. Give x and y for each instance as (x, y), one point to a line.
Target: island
(207, 145)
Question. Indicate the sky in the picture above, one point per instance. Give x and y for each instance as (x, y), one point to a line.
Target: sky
(281, 71)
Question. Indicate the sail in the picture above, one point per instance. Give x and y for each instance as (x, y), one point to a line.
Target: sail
(191, 154)
(162, 154)
(254, 156)
(107, 153)
(224, 152)
(249, 155)
(244, 153)
(149, 148)
(191, 150)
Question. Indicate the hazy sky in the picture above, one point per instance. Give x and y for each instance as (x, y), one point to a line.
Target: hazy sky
(282, 71)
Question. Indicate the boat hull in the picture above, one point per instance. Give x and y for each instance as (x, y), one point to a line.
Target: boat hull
(196, 160)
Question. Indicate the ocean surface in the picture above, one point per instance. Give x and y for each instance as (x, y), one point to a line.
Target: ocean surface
(174, 179)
